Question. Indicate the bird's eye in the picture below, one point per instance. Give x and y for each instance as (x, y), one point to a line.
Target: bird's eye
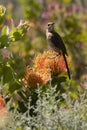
(48, 24)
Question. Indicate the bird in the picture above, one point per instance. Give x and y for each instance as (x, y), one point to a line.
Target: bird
(56, 43)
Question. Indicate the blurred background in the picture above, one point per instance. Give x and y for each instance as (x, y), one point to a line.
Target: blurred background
(70, 17)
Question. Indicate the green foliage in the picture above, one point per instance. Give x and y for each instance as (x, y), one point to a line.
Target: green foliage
(48, 115)
(65, 1)
(16, 34)
(61, 103)
(10, 66)
(4, 41)
(32, 8)
(2, 13)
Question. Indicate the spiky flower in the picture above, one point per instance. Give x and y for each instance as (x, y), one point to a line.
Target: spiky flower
(34, 78)
(51, 60)
(2, 103)
(46, 64)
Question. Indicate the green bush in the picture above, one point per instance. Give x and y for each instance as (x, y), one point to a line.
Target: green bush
(47, 114)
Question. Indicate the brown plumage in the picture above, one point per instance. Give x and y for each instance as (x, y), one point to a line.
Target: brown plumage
(56, 43)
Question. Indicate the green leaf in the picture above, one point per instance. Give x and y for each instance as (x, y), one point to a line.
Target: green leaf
(4, 41)
(14, 85)
(17, 36)
(58, 79)
(1, 20)
(18, 128)
(73, 94)
(7, 74)
(66, 1)
(5, 30)
(2, 11)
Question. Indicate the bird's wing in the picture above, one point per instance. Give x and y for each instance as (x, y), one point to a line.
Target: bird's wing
(57, 40)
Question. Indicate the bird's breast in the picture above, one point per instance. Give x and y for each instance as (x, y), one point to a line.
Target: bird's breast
(48, 35)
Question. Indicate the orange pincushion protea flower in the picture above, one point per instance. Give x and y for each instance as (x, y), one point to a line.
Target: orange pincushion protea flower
(40, 61)
(4, 118)
(51, 60)
(48, 63)
(32, 77)
(2, 103)
(3, 111)
(45, 74)
(56, 64)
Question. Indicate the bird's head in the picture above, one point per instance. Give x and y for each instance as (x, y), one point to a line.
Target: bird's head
(50, 26)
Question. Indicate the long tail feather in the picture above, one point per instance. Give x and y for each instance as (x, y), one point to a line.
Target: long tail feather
(68, 71)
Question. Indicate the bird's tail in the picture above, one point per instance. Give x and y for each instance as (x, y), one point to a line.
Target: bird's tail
(68, 71)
